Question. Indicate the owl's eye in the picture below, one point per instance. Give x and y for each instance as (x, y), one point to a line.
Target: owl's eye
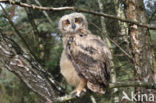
(77, 21)
(67, 22)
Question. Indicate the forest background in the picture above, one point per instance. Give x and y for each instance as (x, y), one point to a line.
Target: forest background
(127, 26)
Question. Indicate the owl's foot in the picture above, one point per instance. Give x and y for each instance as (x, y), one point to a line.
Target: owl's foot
(78, 91)
(80, 88)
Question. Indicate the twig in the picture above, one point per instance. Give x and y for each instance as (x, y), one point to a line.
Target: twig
(128, 55)
(133, 84)
(32, 22)
(45, 13)
(92, 99)
(120, 48)
(151, 17)
(35, 6)
(77, 10)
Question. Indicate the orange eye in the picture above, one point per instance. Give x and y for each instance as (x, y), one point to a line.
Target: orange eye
(76, 20)
(67, 22)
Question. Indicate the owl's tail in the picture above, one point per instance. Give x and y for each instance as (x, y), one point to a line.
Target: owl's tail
(96, 88)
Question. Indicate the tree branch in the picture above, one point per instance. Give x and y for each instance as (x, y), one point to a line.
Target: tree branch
(151, 17)
(28, 70)
(111, 86)
(133, 84)
(77, 10)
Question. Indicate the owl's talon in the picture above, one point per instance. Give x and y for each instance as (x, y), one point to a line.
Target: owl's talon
(78, 92)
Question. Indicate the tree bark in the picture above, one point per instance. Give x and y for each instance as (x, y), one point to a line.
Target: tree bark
(140, 40)
(28, 70)
(123, 26)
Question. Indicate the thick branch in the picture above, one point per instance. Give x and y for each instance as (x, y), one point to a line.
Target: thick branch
(28, 70)
(77, 10)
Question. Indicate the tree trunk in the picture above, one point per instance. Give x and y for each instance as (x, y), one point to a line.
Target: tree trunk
(123, 27)
(106, 33)
(140, 40)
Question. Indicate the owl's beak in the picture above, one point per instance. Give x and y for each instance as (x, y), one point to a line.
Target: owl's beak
(73, 25)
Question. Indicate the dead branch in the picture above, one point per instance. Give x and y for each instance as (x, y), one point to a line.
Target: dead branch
(77, 10)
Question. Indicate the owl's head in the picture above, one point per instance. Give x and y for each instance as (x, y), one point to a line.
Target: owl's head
(72, 23)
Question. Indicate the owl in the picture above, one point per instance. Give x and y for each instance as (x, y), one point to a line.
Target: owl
(86, 59)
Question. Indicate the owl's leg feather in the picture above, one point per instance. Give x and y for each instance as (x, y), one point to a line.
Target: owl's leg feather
(80, 88)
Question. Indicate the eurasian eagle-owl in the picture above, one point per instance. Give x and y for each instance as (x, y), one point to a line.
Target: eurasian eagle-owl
(85, 60)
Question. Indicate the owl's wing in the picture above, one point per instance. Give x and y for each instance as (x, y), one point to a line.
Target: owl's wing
(90, 57)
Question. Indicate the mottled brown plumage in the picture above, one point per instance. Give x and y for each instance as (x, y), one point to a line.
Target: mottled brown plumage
(88, 56)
